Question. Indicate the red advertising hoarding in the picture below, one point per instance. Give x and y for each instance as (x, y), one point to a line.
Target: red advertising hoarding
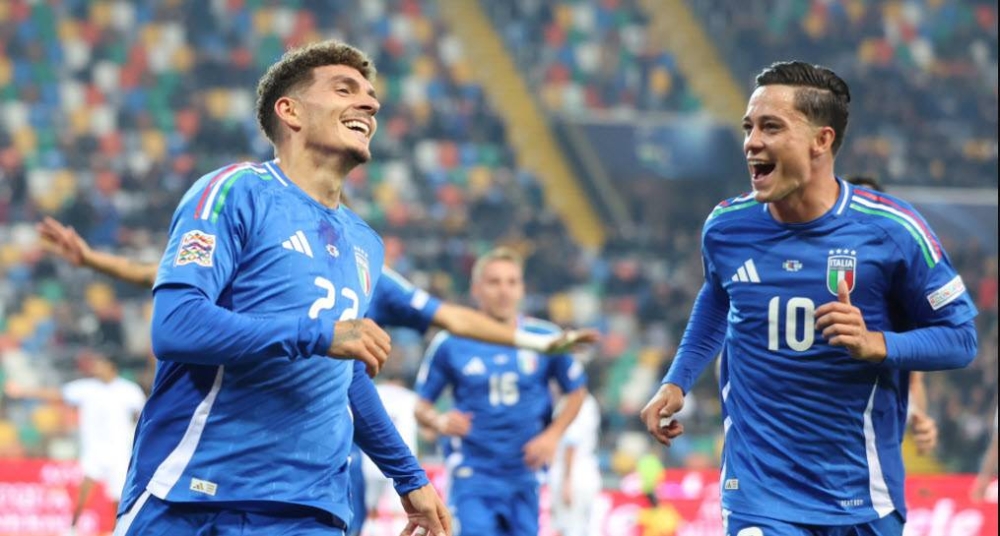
(37, 498)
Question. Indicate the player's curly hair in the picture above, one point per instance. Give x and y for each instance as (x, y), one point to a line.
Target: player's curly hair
(822, 96)
(295, 70)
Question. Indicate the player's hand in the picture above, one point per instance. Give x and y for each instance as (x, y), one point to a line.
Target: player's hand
(843, 325)
(541, 449)
(63, 241)
(454, 423)
(426, 514)
(363, 340)
(573, 339)
(924, 432)
(658, 415)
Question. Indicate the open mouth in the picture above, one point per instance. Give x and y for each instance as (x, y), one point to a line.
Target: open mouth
(362, 128)
(761, 170)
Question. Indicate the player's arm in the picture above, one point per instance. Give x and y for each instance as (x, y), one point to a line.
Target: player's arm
(431, 381)
(67, 243)
(923, 427)
(987, 469)
(702, 340)
(542, 448)
(46, 394)
(935, 347)
(469, 323)
(375, 433)
(397, 302)
(569, 454)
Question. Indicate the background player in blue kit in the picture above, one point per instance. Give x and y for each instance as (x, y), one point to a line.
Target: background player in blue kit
(248, 426)
(499, 426)
(822, 298)
(398, 303)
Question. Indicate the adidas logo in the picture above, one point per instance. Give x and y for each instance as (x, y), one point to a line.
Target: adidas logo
(298, 242)
(474, 367)
(747, 273)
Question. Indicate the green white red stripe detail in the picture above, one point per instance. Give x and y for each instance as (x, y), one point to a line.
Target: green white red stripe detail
(744, 201)
(929, 246)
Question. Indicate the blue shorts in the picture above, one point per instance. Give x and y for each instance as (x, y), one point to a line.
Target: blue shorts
(150, 516)
(510, 510)
(748, 525)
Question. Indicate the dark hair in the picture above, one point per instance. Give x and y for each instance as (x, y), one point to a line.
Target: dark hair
(821, 95)
(295, 69)
(865, 181)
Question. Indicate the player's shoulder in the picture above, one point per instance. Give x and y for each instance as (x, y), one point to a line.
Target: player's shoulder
(440, 341)
(396, 279)
(352, 218)
(897, 218)
(212, 189)
(537, 325)
(732, 211)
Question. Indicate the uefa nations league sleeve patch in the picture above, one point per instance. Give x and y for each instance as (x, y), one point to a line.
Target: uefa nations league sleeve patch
(196, 247)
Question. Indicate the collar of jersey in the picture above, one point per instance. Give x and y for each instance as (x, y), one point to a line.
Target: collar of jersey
(275, 167)
(838, 209)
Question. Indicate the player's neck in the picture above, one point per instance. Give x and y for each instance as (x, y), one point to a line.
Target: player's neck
(320, 177)
(810, 202)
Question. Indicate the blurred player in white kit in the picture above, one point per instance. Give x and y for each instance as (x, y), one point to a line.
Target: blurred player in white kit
(575, 476)
(109, 406)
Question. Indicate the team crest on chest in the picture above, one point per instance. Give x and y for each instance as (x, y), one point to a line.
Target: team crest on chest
(841, 265)
(527, 361)
(364, 274)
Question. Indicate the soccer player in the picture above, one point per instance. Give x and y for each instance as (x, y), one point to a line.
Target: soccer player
(501, 427)
(575, 475)
(248, 427)
(822, 297)
(109, 406)
(923, 427)
(395, 303)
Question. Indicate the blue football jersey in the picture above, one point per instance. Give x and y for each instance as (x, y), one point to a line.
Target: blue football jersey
(397, 303)
(259, 432)
(811, 434)
(505, 389)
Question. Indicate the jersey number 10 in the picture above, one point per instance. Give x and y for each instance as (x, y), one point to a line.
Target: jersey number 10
(794, 308)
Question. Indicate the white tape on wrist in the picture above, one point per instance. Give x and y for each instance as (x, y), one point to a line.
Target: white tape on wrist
(533, 341)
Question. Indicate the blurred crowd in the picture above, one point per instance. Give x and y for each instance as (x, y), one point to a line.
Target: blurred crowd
(109, 110)
(941, 55)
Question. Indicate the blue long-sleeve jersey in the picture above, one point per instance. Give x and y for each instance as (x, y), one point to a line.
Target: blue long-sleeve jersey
(246, 409)
(812, 435)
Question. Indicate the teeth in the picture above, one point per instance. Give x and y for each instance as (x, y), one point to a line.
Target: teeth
(360, 125)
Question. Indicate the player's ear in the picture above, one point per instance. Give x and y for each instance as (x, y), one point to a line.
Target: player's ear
(289, 112)
(823, 140)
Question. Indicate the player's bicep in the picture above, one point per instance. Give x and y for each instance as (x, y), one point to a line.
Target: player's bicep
(937, 295)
